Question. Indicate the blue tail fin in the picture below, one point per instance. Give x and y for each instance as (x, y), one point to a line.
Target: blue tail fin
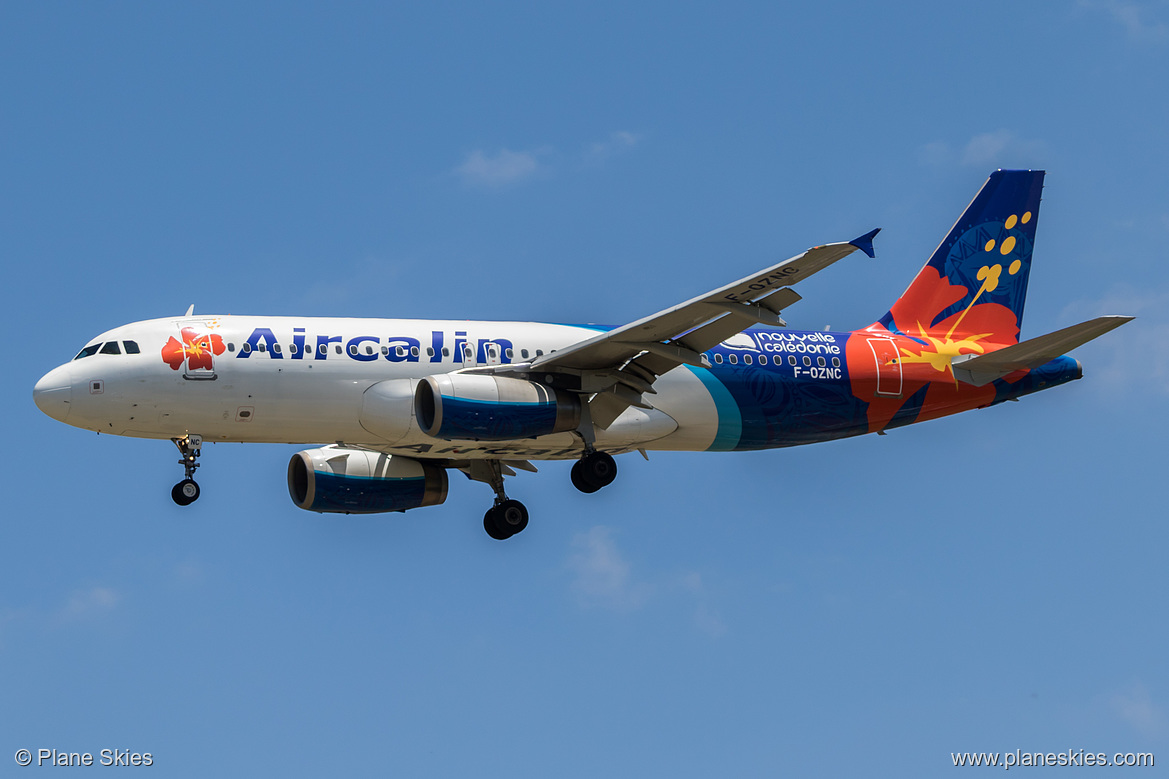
(985, 259)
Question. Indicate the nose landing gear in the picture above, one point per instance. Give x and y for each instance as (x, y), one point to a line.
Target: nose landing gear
(186, 492)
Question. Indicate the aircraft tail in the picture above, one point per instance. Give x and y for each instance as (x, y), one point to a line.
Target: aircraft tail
(975, 283)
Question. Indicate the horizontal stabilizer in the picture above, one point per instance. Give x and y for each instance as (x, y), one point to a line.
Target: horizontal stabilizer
(982, 369)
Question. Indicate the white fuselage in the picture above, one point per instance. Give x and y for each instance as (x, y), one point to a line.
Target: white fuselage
(304, 380)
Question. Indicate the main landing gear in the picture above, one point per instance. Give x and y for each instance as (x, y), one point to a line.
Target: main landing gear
(186, 492)
(507, 517)
(593, 471)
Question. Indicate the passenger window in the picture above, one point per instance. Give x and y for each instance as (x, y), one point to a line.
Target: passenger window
(748, 359)
(263, 347)
(131, 347)
(835, 362)
(247, 348)
(429, 351)
(524, 353)
(718, 358)
(276, 348)
(353, 349)
(337, 348)
(820, 361)
(111, 348)
(539, 352)
(777, 360)
(88, 351)
(386, 350)
(230, 348)
(292, 349)
(733, 359)
(791, 359)
(446, 352)
(400, 351)
(413, 351)
(807, 360)
(369, 350)
(507, 353)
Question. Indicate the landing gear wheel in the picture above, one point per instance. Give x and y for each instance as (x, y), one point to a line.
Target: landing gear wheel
(578, 480)
(185, 492)
(492, 526)
(505, 519)
(512, 515)
(594, 471)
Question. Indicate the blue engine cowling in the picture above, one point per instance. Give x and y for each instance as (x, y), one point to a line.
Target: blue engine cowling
(476, 407)
(356, 481)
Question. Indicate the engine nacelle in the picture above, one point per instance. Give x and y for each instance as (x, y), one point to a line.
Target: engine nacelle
(355, 481)
(477, 407)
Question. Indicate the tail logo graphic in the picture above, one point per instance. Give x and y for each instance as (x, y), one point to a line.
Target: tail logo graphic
(967, 299)
(945, 348)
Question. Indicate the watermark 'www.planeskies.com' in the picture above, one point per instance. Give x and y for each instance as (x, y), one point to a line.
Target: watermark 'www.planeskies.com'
(1021, 759)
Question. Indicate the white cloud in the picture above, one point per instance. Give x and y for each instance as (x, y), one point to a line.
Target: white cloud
(1135, 18)
(604, 579)
(506, 167)
(1137, 355)
(188, 572)
(602, 575)
(991, 148)
(936, 153)
(89, 603)
(501, 169)
(1001, 148)
(616, 143)
(706, 618)
(1135, 706)
(985, 148)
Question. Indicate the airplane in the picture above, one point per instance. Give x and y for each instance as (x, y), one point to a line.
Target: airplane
(391, 406)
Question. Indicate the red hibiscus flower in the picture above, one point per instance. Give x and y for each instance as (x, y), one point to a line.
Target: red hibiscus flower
(196, 348)
(923, 358)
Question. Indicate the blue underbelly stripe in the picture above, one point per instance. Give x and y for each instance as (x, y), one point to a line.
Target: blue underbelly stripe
(730, 419)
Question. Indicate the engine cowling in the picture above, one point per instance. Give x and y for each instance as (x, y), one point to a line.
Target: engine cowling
(355, 481)
(468, 406)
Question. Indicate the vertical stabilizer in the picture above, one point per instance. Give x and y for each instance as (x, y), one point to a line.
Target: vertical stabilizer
(975, 283)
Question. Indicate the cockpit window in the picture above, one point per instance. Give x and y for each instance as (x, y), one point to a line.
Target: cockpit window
(111, 348)
(88, 351)
(131, 347)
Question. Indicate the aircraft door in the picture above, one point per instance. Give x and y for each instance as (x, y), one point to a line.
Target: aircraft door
(493, 353)
(197, 347)
(888, 361)
(466, 354)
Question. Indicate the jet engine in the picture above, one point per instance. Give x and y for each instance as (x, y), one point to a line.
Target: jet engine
(492, 408)
(356, 481)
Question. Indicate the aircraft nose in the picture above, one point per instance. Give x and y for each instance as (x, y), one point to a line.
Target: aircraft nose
(53, 393)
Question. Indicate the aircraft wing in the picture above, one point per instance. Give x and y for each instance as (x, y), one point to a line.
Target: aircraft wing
(631, 357)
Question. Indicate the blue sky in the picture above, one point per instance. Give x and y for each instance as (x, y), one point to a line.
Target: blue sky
(989, 582)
